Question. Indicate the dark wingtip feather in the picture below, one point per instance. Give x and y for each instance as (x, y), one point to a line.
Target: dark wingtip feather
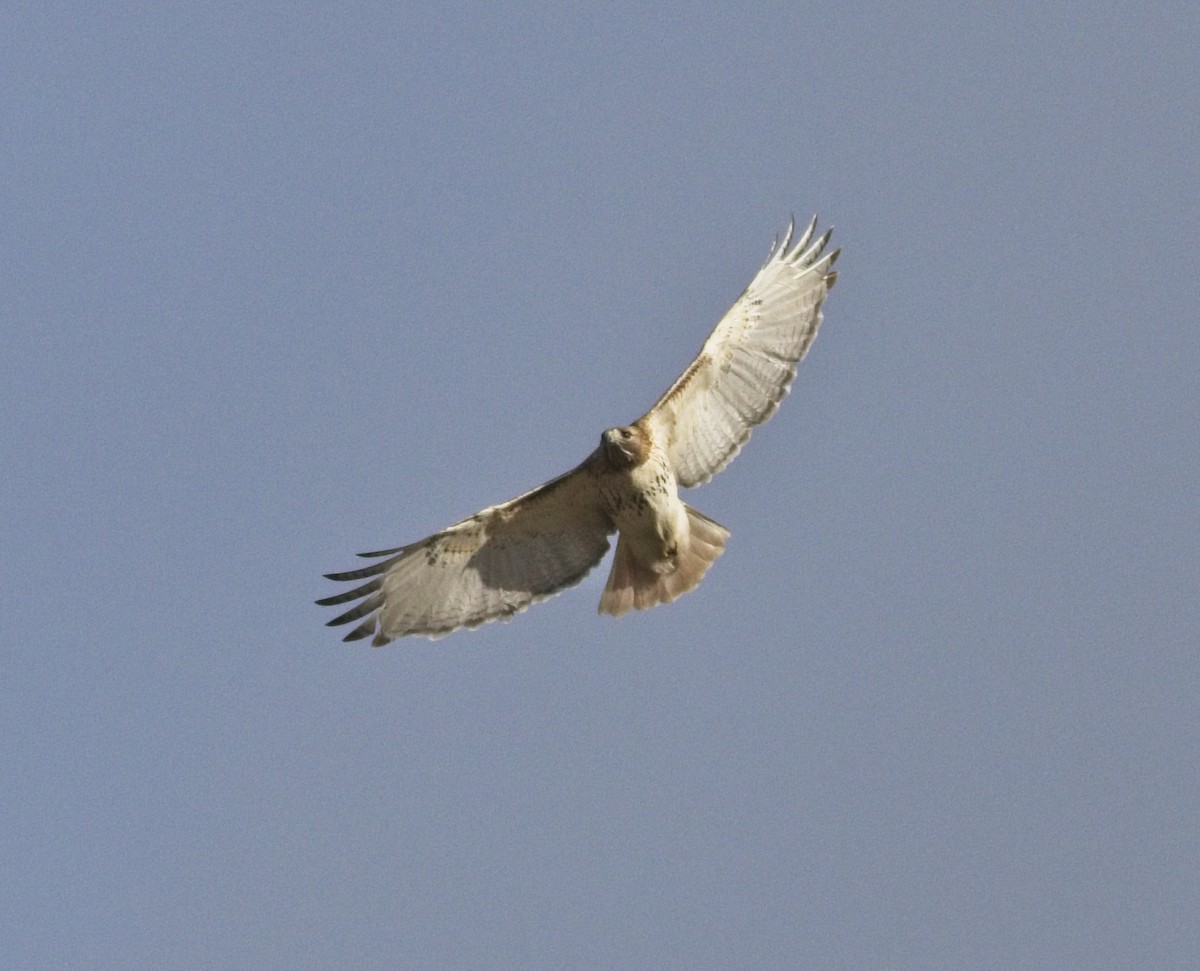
(363, 573)
(365, 629)
(368, 606)
(830, 273)
(377, 553)
(340, 598)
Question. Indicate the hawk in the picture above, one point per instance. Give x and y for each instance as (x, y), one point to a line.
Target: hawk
(506, 557)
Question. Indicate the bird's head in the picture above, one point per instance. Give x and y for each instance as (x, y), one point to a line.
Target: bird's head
(625, 446)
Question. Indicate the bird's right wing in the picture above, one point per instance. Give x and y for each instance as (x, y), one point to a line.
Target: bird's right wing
(487, 567)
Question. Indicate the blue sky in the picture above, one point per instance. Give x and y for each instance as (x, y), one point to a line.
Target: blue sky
(285, 282)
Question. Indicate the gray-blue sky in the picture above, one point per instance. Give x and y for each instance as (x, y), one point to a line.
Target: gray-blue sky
(285, 282)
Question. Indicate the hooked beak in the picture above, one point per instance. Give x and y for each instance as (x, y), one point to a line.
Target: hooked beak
(619, 451)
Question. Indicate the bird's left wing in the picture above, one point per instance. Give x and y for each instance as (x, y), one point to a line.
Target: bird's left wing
(488, 567)
(744, 369)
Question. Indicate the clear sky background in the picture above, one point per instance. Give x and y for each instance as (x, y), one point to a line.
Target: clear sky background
(283, 282)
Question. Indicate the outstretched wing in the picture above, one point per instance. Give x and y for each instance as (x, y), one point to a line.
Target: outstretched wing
(490, 566)
(744, 369)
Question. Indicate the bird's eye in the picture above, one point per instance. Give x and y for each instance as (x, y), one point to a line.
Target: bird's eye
(625, 433)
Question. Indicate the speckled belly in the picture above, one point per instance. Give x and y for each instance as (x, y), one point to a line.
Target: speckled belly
(644, 503)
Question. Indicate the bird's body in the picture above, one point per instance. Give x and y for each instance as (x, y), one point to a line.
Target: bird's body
(641, 497)
(506, 557)
(657, 557)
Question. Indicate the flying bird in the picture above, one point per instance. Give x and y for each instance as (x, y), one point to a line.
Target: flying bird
(506, 557)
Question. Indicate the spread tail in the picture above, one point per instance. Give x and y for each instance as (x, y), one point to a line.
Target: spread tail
(634, 585)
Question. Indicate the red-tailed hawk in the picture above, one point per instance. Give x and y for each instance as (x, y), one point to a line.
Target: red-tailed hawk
(501, 560)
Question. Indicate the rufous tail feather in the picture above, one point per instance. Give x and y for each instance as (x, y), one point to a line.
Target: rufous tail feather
(632, 585)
